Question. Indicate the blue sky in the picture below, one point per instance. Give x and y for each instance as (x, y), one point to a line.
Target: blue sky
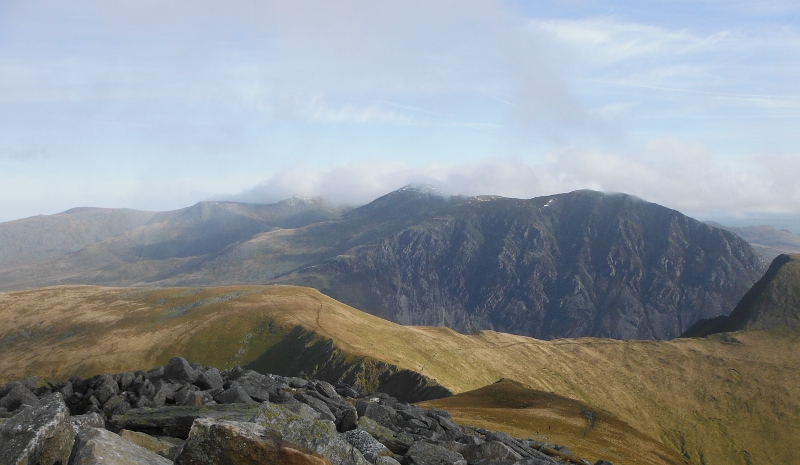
(157, 104)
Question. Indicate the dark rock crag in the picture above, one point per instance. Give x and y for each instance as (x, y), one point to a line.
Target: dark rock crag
(181, 414)
(772, 302)
(578, 264)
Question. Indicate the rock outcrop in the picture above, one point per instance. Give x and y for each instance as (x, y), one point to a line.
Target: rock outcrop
(140, 418)
(772, 302)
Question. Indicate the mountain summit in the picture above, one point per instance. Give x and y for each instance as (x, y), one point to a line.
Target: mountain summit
(577, 264)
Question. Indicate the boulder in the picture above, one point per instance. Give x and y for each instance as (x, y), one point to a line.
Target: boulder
(327, 390)
(383, 460)
(96, 446)
(423, 453)
(383, 414)
(89, 420)
(40, 434)
(318, 435)
(165, 446)
(176, 421)
(492, 450)
(398, 444)
(178, 369)
(235, 395)
(346, 420)
(369, 447)
(318, 405)
(16, 396)
(240, 443)
(210, 379)
(256, 385)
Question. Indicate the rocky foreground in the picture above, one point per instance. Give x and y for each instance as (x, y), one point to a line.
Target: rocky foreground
(189, 414)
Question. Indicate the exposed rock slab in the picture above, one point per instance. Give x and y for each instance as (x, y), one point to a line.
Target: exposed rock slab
(228, 442)
(41, 434)
(95, 446)
(177, 421)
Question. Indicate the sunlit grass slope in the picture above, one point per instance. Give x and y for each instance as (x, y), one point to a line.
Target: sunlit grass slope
(524, 412)
(726, 399)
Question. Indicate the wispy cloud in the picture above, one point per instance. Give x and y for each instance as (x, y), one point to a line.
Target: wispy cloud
(684, 175)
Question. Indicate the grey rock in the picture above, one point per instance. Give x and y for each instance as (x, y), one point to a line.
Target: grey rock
(297, 383)
(176, 421)
(318, 435)
(256, 385)
(318, 405)
(383, 460)
(164, 446)
(603, 462)
(40, 434)
(126, 380)
(423, 453)
(17, 396)
(347, 420)
(155, 374)
(493, 450)
(235, 395)
(535, 461)
(210, 379)
(327, 390)
(239, 443)
(384, 415)
(89, 420)
(185, 395)
(178, 369)
(365, 443)
(397, 443)
(95, 446)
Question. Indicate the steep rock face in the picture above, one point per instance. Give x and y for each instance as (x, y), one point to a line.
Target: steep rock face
(570, 265)
(772, 302)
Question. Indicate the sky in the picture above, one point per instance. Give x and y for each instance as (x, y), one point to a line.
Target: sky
(156, 105)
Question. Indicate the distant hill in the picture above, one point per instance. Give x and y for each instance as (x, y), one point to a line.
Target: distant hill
(768, 241)
(577, 264)
(43, 238)
(725, 399)
(773, 302)
(165, 244)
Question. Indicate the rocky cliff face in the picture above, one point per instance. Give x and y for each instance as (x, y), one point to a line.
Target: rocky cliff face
(772, 302)
(570, 265)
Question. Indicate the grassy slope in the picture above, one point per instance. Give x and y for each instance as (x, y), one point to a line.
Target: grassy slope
(525, 412)
(725, 399)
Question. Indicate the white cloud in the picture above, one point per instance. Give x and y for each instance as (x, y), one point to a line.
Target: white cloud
(679, 174)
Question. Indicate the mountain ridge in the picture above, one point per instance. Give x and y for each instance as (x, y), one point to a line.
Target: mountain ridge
(566, 265)
(772, 302)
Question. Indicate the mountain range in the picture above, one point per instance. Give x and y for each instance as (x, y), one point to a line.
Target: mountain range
(583, 263)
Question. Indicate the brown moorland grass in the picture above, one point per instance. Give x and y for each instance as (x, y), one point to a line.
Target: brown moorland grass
(523, 412)
(726, 399)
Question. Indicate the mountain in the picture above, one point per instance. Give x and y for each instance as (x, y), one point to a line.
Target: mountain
(43, 238)
(773, 302)
(767, 240)
(167, 243)
(724, 399)
(577, 264)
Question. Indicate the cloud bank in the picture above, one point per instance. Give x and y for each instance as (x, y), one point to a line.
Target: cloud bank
(683, 176)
